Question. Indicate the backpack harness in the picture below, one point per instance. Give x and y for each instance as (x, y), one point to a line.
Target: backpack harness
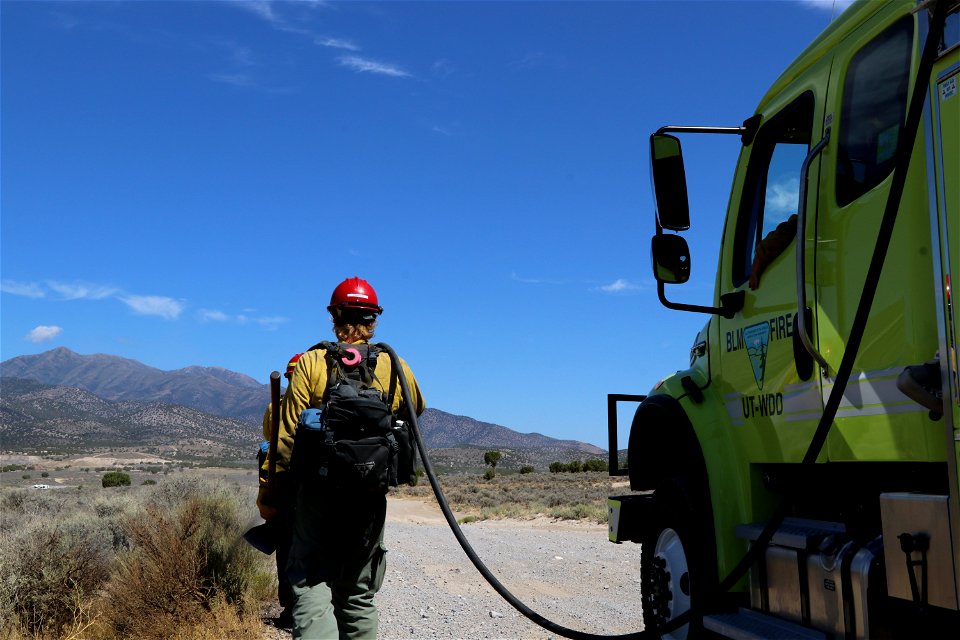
(354, 443)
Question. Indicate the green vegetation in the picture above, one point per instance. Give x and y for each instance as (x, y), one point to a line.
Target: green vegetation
(115, 479)
(491, 458)
(527, 469)
(575, 466)
(15, 467)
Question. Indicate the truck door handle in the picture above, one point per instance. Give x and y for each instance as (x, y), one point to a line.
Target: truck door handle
(801, 251)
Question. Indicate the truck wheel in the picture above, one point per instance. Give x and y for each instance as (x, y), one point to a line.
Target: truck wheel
(672, 564)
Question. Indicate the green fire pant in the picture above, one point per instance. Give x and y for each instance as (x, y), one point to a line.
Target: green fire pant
(337, 563)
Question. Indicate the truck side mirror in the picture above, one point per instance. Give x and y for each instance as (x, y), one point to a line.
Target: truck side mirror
(671, 259)
(669, 182)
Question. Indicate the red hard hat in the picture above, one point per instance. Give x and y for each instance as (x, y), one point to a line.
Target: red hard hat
(355, 293)
(292, 364)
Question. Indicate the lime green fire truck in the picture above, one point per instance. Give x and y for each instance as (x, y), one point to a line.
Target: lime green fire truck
(800, 478)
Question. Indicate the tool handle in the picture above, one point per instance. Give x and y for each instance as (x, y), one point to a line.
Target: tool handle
(274, 427)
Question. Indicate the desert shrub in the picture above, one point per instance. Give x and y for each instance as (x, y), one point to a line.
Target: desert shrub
(579, 511)
(44, 475)
(527, 469)
(149, 481)
(49, 568)
(187, 555)
(575, 466)
(594, 464)
(489, 474)
(115, 479)
(491, 458)
(25, 476)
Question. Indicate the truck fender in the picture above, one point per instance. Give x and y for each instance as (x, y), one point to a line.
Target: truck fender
(663, 445)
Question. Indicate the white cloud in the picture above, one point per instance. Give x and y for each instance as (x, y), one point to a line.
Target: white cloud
(620, 286)
(272, 322)
(517, 278)
(267, 10)
(44, 333)
(442, 68)
(26, 289)
(154, 306)
(212, 315)
(783, 197)
(364, 65)
(335, 43)
(260, 8)
(81, 291)
(248, 316)
(537, 60)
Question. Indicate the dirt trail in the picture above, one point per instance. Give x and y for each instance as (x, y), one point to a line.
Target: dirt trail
(566, 571)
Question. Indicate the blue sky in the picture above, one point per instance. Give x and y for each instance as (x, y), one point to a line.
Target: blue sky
(184, 183)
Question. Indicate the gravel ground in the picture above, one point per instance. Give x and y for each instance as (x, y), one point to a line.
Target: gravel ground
(567, 572)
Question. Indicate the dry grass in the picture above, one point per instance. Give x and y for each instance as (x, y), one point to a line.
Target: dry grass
(567, 496)
(146, 562)
(167, 561)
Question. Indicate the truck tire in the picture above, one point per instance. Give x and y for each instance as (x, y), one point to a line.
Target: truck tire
(675, 572)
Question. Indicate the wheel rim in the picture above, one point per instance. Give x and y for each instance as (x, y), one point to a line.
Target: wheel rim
(670, 582)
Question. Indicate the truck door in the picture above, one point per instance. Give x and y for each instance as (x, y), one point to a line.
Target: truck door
(772, 405)
(944, 158)
(945, 144)
(866, 102)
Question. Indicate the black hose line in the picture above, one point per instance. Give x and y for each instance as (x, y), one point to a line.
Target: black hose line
(905, 146)
(468, 548)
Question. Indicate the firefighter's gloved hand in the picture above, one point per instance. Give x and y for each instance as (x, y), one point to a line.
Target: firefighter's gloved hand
(265, 504)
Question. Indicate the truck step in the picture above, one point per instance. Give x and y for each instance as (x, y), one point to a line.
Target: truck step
(747, 624)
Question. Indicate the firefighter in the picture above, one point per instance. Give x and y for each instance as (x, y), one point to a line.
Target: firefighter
(337, 559)
(772, 245)
(282, 520)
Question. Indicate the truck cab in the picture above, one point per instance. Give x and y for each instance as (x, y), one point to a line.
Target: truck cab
(817, 422)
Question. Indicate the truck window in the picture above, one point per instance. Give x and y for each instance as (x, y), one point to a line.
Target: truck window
(872, 111)
(772, 188)
(951, 31)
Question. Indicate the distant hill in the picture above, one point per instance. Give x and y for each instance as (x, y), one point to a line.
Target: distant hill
(66, 400)
(36, 417)
(210, 389)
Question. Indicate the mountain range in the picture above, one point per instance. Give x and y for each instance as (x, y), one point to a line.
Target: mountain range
(61, 400)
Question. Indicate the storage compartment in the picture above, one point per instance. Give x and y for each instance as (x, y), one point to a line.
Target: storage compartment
(922, 523)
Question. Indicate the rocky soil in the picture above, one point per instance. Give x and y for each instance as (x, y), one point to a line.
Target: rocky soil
(568, 572)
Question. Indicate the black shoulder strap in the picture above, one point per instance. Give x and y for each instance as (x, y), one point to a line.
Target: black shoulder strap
(393, 385)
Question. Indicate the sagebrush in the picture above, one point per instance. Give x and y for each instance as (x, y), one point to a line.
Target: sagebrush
(155, 561)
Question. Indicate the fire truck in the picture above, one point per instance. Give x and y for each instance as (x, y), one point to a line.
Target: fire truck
(799, 478)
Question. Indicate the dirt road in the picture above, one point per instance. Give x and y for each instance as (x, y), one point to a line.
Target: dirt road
(566, 571)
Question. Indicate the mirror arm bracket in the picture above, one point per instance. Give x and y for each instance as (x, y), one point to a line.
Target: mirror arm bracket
(730, 303)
